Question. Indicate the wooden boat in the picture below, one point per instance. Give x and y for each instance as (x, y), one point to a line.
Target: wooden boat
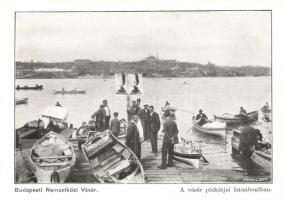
(52, 158)
(262, 159)
(35, 129)
(69, 91)
(110, 160)
(36, 87)
(187, 152)
(211, 128)
(21, 101)
(237, 119)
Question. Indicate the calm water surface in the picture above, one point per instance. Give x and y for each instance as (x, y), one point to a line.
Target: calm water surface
(213, 95)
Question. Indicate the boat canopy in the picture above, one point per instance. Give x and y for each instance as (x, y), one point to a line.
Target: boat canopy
(56, 112)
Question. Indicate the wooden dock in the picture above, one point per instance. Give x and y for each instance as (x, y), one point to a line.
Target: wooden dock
(179, 173)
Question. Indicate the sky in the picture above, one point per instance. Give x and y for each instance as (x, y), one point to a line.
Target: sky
(232, 38)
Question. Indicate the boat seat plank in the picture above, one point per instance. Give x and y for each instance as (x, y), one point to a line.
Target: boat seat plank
(51, 157)
(126, 154)
(118, 148)
(52, 164)
(113, 162)
(122, 165)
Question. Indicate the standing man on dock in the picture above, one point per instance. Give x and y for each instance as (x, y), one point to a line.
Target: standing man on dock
(144, 116)
(170, 137)
(133, 137)
(99, 118)
(107, 114)
(154, 126)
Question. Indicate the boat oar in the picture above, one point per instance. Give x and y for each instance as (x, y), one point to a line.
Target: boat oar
(204, 159)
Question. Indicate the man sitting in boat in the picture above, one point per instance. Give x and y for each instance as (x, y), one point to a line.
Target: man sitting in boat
(201, 118)
(266, 108)
(243, 114)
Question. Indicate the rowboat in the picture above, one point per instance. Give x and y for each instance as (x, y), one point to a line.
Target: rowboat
(111, 161)
(211, 128)
(52, 157)
(187, 152)
(237, 119)
(262, 159)
(69, 91)
(21, 101)
(36, 87)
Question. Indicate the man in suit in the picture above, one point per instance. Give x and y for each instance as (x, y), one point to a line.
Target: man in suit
(144, 116)
(99, 117)
(107, 114)
(170, 137)
(154, 126)
(133, 137)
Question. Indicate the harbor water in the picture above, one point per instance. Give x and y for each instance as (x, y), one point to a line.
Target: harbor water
(213, 95)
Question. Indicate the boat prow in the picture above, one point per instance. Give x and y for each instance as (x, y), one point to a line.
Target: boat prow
(211, 128)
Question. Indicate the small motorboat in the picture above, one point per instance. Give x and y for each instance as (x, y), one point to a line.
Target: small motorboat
(187, 152)
(36, 87)
(52, 157)
(69, 91)
(211, 128)
(21, 101)
(237, 119)
(110, 160)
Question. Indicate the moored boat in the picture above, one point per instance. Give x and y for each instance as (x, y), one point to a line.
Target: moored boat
(69, 91)
(237, 119)
(110, 160)
(211, 128)
(262, 159)
(187, 152)
(52, 158)
(21, 101)
(36, 87)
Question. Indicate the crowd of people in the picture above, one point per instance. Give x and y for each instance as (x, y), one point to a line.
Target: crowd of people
(150, 123)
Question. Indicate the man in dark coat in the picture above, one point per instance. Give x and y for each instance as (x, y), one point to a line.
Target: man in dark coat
(133, 137)
(106, 113)
(144, 116)
(170, 137)
(154, 126)
(99, 117)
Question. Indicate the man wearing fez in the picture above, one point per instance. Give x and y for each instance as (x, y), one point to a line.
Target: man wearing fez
(133, 137)
(154, 126)
(107, 113)
(170, 137)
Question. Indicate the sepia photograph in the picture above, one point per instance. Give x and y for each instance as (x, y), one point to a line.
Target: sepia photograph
(143, 97)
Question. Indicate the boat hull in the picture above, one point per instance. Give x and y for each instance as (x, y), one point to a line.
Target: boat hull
(262, 160)
(69, 92)
(21, 101)
(220, 132)
(51, 172)
(195, 163)
(234, 119)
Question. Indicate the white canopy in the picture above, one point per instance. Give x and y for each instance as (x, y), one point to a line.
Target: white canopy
(56, 112)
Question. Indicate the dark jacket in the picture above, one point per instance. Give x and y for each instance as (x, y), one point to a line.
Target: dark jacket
(144, 115)
(114, 126)
(154, 122)
(170, 131)
(133, 139)
(99, 115)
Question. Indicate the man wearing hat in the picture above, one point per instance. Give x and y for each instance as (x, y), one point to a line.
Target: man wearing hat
(169, 139)
(144, 116)
(107, 114)
(154, 126)
(201, 118)
(99, 118)
(132, 109)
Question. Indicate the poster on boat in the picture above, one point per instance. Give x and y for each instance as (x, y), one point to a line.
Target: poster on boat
(129, 83)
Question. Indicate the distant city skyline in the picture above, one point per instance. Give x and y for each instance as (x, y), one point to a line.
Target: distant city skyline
(230, 38)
